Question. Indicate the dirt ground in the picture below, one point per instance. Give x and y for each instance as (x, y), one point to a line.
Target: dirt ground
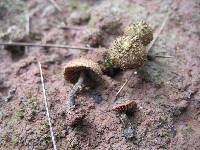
(167, 90)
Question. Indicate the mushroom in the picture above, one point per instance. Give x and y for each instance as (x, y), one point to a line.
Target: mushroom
(81, 71)
(123, 107)
(142, 30)
(127, 52)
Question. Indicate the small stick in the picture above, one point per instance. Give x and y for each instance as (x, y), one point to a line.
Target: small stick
(121, 88)
(56, 5)
(158, 33)
(46, 106)
(44, 45)
(163, 56)
(74, 90)
(152, 57)
(70, 27)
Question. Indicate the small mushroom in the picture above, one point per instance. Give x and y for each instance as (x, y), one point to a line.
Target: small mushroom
(127, 52)
(81, 71)
(142, 30)
(123, 107)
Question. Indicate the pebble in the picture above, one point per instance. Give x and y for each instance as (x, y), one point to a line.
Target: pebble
(128, 133)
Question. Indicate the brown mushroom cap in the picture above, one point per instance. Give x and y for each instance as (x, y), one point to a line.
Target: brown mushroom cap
(140, 29)
(74, 67)
(124, 106)
(127, 52)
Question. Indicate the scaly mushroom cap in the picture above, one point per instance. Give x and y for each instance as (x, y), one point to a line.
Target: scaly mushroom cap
(124, 106)
(127, 52)
(142, 30)
(73, 69)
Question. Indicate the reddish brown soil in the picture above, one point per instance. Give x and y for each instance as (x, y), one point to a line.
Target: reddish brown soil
(166, 89)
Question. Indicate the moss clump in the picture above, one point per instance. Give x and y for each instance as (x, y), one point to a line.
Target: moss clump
(44, 126)
(20, 113)
(127, 52)
(108, 67)
(14, 140)
(142, 30)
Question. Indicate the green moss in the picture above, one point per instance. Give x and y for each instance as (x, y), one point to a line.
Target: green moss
(14, 140)
(33, 102)
(20, 113)
(44, 126)
(163, 120)
(30, 105)
(43, 135)
(108, 63)
(109, 66)
(46, 138)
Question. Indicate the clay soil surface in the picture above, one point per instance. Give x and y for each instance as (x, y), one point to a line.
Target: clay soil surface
(166, 90)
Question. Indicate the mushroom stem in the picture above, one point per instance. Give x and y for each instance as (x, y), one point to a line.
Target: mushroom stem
(74, 90)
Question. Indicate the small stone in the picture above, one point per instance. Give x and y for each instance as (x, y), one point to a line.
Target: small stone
(128, 133)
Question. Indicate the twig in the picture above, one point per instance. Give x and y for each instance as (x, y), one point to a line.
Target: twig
(70, 27)
(46, 106)
(158, 33)
(164, 56)
(44, 45)
(152, 57)
(121, 88)
(56, 5)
